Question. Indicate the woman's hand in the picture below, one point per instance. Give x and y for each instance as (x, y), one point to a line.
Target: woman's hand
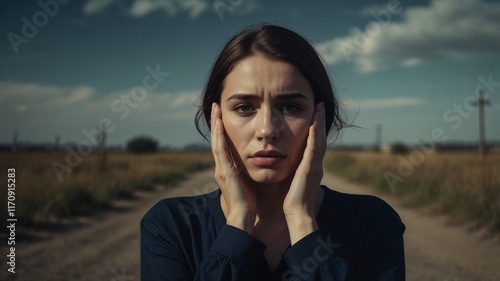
(303, 199)
(238, 201)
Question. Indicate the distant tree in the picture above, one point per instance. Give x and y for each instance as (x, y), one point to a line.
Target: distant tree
(399, 148)
(142, 144)
(14, 140)
(57, 142)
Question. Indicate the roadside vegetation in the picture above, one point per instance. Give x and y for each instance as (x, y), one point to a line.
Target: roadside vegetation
(459, 183)
(40, 195)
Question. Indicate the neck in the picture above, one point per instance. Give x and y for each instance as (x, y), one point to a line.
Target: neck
(270, 199)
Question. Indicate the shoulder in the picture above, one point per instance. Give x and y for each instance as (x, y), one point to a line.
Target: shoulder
(355, 202)
(367, 210)
(182, 209)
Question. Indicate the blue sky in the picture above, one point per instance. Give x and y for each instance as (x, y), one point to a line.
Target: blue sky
(412, 66)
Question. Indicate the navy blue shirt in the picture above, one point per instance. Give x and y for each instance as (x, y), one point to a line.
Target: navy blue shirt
(360, 237)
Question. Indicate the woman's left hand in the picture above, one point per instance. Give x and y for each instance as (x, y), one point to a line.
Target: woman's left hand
(303, 199)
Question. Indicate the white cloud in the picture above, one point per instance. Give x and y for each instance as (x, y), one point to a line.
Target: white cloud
(42, 110)
(92, 7)
(77, 102)
(168, 106)
(446, 29)
(183, 99)
(21, 108)
(245, 7)
(141, 8)
(380, 103)
(80, 94)
(31, 96)
(173, 8)
(194, 7)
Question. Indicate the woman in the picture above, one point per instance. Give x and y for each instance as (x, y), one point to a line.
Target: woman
(269, 105)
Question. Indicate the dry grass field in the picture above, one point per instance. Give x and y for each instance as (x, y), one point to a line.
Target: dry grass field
(40, 194)
(460, 184)
(457, 183)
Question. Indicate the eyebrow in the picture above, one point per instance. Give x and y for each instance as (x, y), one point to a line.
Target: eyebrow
(282, 96)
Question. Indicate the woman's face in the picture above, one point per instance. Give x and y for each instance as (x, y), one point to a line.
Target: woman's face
(267, 108)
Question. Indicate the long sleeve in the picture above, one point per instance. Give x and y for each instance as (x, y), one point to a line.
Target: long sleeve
(382, 247)
(161, 258)
(313, 258)
(369, 247)
(234, 255)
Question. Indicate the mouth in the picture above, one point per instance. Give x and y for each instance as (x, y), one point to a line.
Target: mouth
(267, 157)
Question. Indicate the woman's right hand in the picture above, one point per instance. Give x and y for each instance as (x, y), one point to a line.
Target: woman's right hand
(238, 201)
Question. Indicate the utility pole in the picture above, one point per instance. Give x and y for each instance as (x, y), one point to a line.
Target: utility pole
(378, 137)
(480, 103)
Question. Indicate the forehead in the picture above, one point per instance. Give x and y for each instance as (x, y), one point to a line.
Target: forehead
(262, 76)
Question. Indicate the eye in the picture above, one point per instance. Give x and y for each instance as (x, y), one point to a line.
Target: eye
(289, 108)
(243, 108)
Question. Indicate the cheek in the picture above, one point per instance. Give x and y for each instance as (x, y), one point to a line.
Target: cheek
(229, 126)
(233, 130)
(298, 142)
(300, 131)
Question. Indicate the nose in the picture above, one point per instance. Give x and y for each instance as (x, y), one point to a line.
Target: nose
(269, 125)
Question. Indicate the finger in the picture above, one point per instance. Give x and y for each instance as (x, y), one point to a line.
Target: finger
(308, 152)
(321, 128)
(213, 132)
(219, 144)
(212, 122)
(215, 135)
(215, 117)
(316, 140)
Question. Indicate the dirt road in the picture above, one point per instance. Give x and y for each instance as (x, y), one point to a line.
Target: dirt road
(435, 248)
(106, 246)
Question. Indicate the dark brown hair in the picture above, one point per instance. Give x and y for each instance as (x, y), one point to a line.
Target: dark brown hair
(277, 43)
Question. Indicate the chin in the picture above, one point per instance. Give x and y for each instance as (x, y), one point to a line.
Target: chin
(267, 176)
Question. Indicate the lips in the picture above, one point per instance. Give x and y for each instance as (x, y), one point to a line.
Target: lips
(266, 157)
(267, 153)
